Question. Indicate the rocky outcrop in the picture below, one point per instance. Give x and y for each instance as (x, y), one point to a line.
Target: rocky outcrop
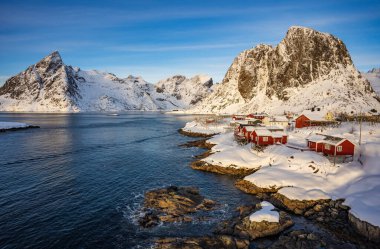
(207, 242)
(364, 228)
(20, 128)
(230, 170)
(301, 239)
(242, 227)
(250, 188)
(173, 204)
(301, 72)
(195, 134)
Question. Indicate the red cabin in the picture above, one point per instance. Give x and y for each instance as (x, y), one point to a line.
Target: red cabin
(247, 131)
(340, 147)
(264, 137)
(309, 118)
(330, 145)
(238, 117)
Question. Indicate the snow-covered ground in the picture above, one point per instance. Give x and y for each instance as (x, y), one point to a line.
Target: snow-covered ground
(307, 175)
(11, 125)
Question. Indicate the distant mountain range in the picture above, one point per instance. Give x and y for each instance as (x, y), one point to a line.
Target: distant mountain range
(306, 69)
(52, 86)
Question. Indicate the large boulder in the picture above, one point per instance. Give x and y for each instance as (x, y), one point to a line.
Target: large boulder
(173, 204)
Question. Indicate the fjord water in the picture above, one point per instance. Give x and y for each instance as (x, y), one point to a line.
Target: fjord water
(79, 180)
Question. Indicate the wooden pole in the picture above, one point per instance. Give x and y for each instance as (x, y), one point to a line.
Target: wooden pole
(334, 154)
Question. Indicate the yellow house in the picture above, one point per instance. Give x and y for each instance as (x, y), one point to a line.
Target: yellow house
(329, 116)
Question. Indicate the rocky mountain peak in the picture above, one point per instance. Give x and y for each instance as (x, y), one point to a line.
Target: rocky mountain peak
(304, 58)
(374, 70)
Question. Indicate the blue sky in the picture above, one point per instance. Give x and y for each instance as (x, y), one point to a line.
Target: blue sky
(157, 39)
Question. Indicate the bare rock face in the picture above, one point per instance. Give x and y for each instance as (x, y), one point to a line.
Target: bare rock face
(173, 204)
(267, 78)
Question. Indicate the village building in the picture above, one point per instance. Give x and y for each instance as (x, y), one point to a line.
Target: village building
(238, 117)
(276, 121)
(314, 118)
(257, 115)
(263, 137)
(331, 145)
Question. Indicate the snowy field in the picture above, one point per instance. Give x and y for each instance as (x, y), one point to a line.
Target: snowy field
(309, 175)
(204, 128)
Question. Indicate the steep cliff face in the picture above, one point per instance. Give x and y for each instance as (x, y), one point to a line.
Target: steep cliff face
(52, 86)
(46, 83)
(307, 68)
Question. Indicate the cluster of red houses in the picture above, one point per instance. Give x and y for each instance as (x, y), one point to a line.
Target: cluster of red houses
(249, 128)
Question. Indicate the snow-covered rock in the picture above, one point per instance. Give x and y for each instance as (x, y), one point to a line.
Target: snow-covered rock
(52, 86)
(306, 69)
(266, 213)
(373, 76)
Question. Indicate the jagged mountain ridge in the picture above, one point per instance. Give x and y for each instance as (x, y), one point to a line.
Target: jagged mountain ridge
(306, 69)
(52, 86)
(373, 76)
(190, 91)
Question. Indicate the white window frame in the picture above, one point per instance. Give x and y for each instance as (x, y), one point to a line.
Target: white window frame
(265, 139)
(339, 148)
(327, 146)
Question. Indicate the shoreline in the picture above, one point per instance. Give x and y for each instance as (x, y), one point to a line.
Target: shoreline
(19, 128)
(332, 214)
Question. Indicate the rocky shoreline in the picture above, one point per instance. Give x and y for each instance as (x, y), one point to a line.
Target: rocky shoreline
(20, 128)
(332, 214)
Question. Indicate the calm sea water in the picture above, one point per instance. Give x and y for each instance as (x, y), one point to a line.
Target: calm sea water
(78, 182)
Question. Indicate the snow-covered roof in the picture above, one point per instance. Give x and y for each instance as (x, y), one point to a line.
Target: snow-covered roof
(273, 127)
(315, 115)
(242, 122)
(263, 132)
(278, 134)
(250, 128)
(334, 140)
(279, 119)
(316, 138)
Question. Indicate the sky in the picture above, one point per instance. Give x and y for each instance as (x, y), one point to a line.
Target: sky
(156, 39)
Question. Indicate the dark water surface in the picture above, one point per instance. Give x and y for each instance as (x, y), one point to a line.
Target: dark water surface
(78, 182)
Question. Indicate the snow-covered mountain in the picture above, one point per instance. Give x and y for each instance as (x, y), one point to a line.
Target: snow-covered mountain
(373, 76)
(52, 86)
(188, 91)
(306, 69)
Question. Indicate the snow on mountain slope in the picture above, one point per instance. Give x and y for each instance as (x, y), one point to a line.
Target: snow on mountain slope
(306, 69)
(51, 86)
(186, 91)
(373, 76)
(47, 84)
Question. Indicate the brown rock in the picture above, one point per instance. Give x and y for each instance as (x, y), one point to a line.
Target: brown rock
(173, 204)
(207, 242)
(230, 170)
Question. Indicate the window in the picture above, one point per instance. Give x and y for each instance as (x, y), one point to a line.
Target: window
(327, 146)
(265, 139)
(339, 148)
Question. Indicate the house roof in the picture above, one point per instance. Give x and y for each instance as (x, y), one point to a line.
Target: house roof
(279, 119)
(250, 128)
(315, 115)
(278, 134)
(263, 132)
(316, 138)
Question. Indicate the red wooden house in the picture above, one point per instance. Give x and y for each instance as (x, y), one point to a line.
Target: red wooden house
(238, 117)
(309, 118)
(263, 137)
(247, 131)
(334, 146)
(330, 145)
